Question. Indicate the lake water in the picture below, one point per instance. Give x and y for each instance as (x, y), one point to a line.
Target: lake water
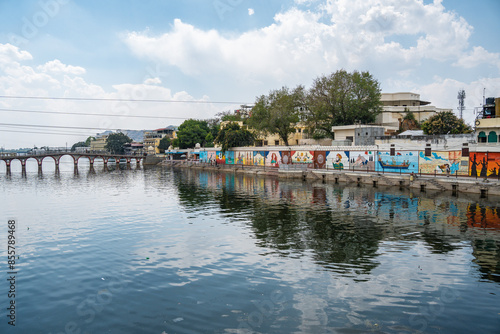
(163, 250)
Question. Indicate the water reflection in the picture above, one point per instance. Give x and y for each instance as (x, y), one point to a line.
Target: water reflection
(343, 227)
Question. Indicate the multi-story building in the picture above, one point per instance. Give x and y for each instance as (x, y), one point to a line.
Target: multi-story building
(488, 122)
(99, 143)
(397, 105)
(152, 138)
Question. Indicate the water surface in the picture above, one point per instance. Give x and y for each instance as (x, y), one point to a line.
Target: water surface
(181, 251)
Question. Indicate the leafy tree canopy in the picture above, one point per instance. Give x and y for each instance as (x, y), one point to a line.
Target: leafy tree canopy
(409, 122)
(164, 144)
(89, 139)
(85, 143)
(278, 112)
(191, 132)
(445, 122)
(115, 141)
(342, 98)
(232, 135)
(79, 144)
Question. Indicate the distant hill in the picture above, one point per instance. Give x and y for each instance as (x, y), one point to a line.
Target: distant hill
(136, 135)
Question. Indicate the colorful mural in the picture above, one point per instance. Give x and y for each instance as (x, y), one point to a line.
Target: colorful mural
(337, 160)
(302, 157)
(319, 159)
(211, 156)
(484, 164)
(480, 164)
(439, 162)
(220, 158)
(402, 162)
(273, 158)
(259, 158)
(286, 157)
(229, 157)
(203, 156)
(362, 160)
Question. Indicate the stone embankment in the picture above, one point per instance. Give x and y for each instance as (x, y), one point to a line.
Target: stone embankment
(452, 183)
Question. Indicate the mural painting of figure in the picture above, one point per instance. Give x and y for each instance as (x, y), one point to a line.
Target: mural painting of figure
(484, 168)
(473, 168)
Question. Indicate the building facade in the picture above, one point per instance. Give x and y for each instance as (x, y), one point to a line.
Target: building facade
(488, 123)
(397, 105)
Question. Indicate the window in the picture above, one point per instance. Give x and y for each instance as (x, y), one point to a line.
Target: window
(492, 137)
(265, 142)
(276, 142)
(481, 137)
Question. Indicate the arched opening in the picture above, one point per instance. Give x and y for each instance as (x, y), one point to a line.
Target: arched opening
(492, 137)
(481, 137)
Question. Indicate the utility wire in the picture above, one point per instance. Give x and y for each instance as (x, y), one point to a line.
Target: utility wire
(89, 114)
(56, 126)
(47, 133)
(118, 100)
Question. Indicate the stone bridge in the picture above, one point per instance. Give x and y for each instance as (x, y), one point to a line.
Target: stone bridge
(106, 157)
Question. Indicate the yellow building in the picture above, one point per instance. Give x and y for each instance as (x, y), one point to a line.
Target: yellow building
(488, 123)
(99, 143)
(299, 137)
(152, 138)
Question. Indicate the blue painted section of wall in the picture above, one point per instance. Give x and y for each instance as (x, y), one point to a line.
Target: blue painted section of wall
(402, 162)
(229, 157)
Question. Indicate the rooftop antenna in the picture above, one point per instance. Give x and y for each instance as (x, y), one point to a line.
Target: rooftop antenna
(461, 99)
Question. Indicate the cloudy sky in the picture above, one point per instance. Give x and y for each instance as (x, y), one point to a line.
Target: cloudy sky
(204, 57)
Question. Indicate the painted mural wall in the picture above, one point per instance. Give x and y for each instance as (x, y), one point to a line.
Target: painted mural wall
(364, 160)
(480, 164)
(338, 160)
(401, 162)
(229, 157)
(204, 156)
(484, 164)
(273, 158)
(438, 163)
(259, 158)
(302, 157)
(220, 158)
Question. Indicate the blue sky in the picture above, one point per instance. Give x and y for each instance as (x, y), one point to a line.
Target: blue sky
(229, 50)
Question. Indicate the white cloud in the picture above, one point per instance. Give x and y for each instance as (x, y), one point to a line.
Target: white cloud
(443, 93)
(55, 79)
(384, 35)
(152, 81)
(56, 67)
(478, 56)
(11, 54)
(251, 11)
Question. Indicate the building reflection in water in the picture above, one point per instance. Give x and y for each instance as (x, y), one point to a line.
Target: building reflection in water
(342, 226)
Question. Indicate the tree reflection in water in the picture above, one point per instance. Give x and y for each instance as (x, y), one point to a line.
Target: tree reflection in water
(342, 226)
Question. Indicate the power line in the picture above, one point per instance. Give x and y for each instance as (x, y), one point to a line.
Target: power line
(47, 133)
(118, 100)
(55, 126)
(89, 114)
(55, 131)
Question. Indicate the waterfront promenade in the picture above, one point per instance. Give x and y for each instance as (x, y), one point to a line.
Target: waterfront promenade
(453, 183)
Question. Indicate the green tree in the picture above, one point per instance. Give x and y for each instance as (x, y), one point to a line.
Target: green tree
(89, 139)
(191, 132)
(164, 144)
(342, 98)
(409, 122)
(445, 122)
(232, 135)
(209, 140)
(79, 144)
(115, 141)
(278, 112)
